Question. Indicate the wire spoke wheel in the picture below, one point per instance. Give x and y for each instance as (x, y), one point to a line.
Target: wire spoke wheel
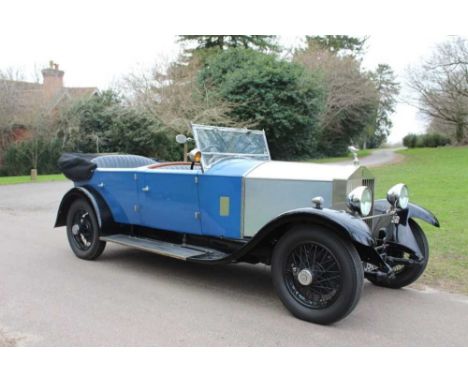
(406, 274)
(317, 274)
(312, 275)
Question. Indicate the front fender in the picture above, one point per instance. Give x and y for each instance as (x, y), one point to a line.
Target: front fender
(353, 227)
(413, 211)
(402, 235)
(341, 222)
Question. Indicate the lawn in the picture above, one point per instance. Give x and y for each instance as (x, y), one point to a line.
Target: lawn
(361, 154)
(27, 179)
(437, 179)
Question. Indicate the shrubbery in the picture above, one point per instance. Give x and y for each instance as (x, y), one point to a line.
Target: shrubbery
(99, 124)
(425, 140)
(270, 93)
(19, 158)
(104, 124)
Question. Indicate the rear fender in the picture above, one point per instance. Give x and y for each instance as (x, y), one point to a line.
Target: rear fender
(101, 209)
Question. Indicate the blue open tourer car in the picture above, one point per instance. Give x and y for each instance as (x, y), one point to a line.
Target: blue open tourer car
(317, 225)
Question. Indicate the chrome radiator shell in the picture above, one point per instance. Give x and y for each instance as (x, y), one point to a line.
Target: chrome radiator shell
(277, 187)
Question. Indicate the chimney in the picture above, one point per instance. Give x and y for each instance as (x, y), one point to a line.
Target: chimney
(53, 79)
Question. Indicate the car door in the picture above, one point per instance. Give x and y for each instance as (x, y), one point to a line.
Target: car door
(119, 190)
(169, 200)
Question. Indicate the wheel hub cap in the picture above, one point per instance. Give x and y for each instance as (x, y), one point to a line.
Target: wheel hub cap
(305, 277)
(75, 229)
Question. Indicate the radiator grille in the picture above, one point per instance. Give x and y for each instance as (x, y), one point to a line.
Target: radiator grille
(369, 183)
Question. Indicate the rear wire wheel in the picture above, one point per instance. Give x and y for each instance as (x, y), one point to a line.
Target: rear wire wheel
(317, 275)
(83, 231)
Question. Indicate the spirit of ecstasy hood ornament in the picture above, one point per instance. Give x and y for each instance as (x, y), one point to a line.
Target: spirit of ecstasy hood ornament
(354, 151)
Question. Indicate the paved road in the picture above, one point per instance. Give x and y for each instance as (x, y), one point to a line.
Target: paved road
(127, 297)
(379, 157)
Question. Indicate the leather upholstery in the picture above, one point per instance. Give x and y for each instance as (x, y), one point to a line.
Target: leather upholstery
(122, 161)
(175, 167)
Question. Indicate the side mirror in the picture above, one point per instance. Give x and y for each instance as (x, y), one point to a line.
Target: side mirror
(181, 139)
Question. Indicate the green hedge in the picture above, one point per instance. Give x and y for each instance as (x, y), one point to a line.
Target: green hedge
(17, 158)
(425, 140)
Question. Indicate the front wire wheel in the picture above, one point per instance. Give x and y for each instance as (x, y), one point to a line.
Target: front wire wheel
(406, 274)
(318, 276)
(313, 275)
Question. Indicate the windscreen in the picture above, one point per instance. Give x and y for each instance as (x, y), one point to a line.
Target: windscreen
(218, 143)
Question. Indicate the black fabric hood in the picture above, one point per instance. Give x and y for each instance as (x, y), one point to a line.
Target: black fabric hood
(77, 167)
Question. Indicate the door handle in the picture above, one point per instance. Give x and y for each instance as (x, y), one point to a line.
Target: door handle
(145, 189)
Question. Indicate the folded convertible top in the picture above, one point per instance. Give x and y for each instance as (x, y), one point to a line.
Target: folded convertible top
(80, 167)
(76, 166)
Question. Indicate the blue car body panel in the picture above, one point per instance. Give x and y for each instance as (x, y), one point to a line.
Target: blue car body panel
(171, 202)
(119, 190)
(187, 201)
(223, 183)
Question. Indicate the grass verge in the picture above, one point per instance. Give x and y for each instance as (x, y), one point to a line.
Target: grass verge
(27, 179)
(437, 179)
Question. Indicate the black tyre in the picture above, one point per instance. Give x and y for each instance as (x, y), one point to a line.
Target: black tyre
(317, 275)
(407, 274)
(83, 231)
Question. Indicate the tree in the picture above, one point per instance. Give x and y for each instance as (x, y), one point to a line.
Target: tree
(86, 124)
(338, 44)
(259, 42)
(350, 98)
(171, 93)
(104, 123)
(9, 105)
(270, 94)
(441, 87)
(388, 89)
(23, 106)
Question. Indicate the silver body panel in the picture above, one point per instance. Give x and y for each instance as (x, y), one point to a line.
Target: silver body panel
(275, 187)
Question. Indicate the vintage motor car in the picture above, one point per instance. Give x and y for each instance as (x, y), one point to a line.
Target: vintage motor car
(317, 225)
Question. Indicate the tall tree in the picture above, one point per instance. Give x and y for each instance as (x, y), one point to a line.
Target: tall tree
(351, 98)
(258, 42)
(271, 94)
(441, 87)
(388, 89)
(171, 93)
(10, 104)
(24, 106)
(338, 44)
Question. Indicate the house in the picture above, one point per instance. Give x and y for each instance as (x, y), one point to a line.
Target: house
(21, 102)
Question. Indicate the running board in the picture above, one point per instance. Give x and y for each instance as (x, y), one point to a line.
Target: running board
(177, 251)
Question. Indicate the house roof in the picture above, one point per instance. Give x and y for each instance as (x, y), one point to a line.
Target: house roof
(28, 97)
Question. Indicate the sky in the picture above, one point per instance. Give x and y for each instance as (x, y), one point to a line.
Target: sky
(98, 42)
